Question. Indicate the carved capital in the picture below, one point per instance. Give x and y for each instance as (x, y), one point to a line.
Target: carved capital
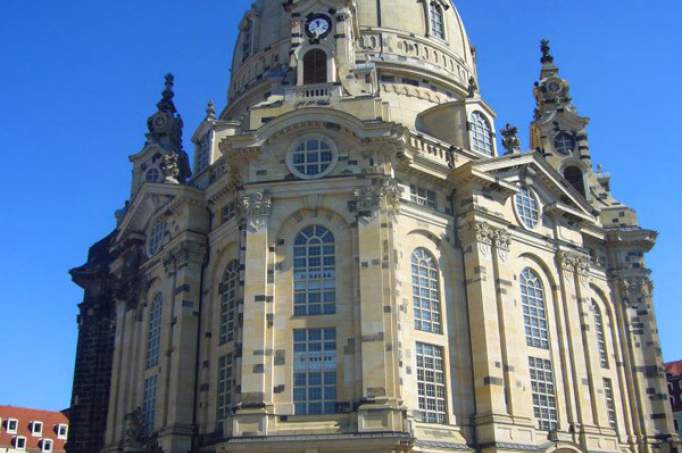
(574, 263)
(256, 208)
(479, 234)
(636, 287)
(185, 254)
(502, 240)
(383, 194)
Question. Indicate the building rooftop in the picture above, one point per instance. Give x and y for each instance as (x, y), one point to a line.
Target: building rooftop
(26, 420)
(674, 368)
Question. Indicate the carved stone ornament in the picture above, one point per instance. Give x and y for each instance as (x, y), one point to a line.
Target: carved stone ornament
(183, 255)
(635, 287)
(256, 208)
(570, 263)
(170, 168)
(502, 241)
(485, 236)
(510, 139)
(135, 437)
(382, 194)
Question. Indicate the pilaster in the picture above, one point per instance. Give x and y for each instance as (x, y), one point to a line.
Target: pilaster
(488, 354)
(177, 385)
(580, 393)
(380, 409)
(251, 417)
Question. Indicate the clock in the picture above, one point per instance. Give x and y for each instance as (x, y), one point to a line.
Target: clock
(553, 86)
(318, 26)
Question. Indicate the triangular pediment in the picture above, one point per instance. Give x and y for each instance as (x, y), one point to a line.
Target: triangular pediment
(149, 200)
(514, 167)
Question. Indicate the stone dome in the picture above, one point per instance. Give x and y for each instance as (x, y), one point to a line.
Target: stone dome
(400, 36)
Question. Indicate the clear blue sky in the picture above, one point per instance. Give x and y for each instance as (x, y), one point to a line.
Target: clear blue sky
(80, 77)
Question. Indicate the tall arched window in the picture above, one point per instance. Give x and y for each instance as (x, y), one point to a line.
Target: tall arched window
(154, 331)
(314, 272)
(425, 291)
(481, 134)
(601, 337)
(534, 315)
(315, 67)
(575, 177)
(229, 297)
(437, 21)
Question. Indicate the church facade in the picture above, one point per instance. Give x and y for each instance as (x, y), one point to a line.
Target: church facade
(352, 263)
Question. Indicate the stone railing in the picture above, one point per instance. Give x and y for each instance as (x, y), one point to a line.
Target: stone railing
(432, 151)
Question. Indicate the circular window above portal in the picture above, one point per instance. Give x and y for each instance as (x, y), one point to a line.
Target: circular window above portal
(527, 208)
(312, 157)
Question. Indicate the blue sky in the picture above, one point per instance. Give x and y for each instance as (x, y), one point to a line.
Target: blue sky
(80, 77)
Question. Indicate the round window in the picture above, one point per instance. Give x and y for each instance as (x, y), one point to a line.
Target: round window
(527, 208)
(312, 157)
(564, 143)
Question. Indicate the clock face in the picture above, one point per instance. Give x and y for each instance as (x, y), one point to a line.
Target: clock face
(318, 27)
(553, 86)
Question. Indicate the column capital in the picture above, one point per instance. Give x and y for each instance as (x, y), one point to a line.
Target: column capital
(256, 208)
(183, 255)
(574, 263)
(486, 236)
(382, 194)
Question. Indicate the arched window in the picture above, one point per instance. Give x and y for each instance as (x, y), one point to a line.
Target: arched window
(425, 291)
(314, 272)
(481, 134)
(152, 175)
(155, 237)
(437, 21)
(601, 337)
(534, 315)
(229, 297)
(154, 331)
(527, 207)
(315, 67)
(575, 177)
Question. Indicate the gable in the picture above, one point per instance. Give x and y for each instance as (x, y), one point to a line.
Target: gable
(547, 181)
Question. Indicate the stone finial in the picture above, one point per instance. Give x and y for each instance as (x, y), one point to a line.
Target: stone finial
(546, 52)
(166, 102)
(473, 87)
(510, 139)
(210, 111)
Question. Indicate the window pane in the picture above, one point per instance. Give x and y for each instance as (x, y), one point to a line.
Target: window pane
(431, 384)
(425, 291)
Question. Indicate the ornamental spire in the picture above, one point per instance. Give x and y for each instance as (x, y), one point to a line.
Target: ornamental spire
(166, 102)
(546, 55)
(547, 60)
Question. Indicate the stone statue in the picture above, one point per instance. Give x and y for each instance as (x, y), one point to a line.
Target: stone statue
(510, 139)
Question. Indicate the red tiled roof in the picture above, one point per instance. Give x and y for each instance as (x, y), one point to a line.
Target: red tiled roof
(674, 368)
(26, 416)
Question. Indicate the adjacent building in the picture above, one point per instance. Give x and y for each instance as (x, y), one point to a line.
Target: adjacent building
(32, 430)
(674, 372)
(352, 262)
